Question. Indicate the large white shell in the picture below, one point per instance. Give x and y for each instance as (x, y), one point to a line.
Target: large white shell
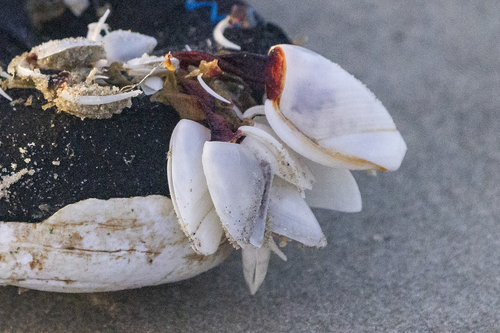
(327, 115)
(101, 245)
(188, 187)
(239, 185)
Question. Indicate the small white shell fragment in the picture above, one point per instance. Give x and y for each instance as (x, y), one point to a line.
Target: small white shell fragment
(77, 7)
(188, 187)
(290, 216)
(151, 85)
(327, 115)
(145, 64)
(239, 185)
(122, 46)
(101, 245)
(334, 189)
(218, 34)
(255, 262)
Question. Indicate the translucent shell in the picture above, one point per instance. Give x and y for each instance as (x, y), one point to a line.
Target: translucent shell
(327, 115)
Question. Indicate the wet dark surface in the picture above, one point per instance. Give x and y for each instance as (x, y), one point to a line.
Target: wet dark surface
(73, 159)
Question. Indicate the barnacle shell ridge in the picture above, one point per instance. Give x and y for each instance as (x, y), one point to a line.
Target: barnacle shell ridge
(327, 115)
(239, 185)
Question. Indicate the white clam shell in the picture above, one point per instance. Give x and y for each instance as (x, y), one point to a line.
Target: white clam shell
(122, 46)
(101, 245)
(188, 187)
(327, 115)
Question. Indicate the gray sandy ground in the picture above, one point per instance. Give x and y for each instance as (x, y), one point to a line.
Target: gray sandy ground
(422, 256)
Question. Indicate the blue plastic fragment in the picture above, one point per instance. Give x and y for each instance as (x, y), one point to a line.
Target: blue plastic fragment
(214, 16)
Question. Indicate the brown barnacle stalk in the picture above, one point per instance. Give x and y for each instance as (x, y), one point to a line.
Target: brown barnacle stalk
(213, 98)
(220, 130)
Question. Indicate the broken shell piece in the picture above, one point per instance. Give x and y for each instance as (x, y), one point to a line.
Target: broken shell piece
(101, 245)
(121, 45)
(145, 65)
(327, 115)
(68, 53)
(93, 101)
(4, 94)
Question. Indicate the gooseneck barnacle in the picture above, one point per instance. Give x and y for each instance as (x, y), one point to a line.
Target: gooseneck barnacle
(247, 178)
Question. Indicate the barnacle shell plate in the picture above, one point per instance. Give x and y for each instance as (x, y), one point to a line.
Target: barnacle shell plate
(101, 245)
(329, 117)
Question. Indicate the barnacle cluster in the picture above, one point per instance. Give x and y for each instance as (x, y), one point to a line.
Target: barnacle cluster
(238, 172)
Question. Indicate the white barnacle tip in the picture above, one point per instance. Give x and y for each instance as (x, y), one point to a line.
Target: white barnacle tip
(97, 100)
(335, 120)
(255, 262)
(218, 34)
